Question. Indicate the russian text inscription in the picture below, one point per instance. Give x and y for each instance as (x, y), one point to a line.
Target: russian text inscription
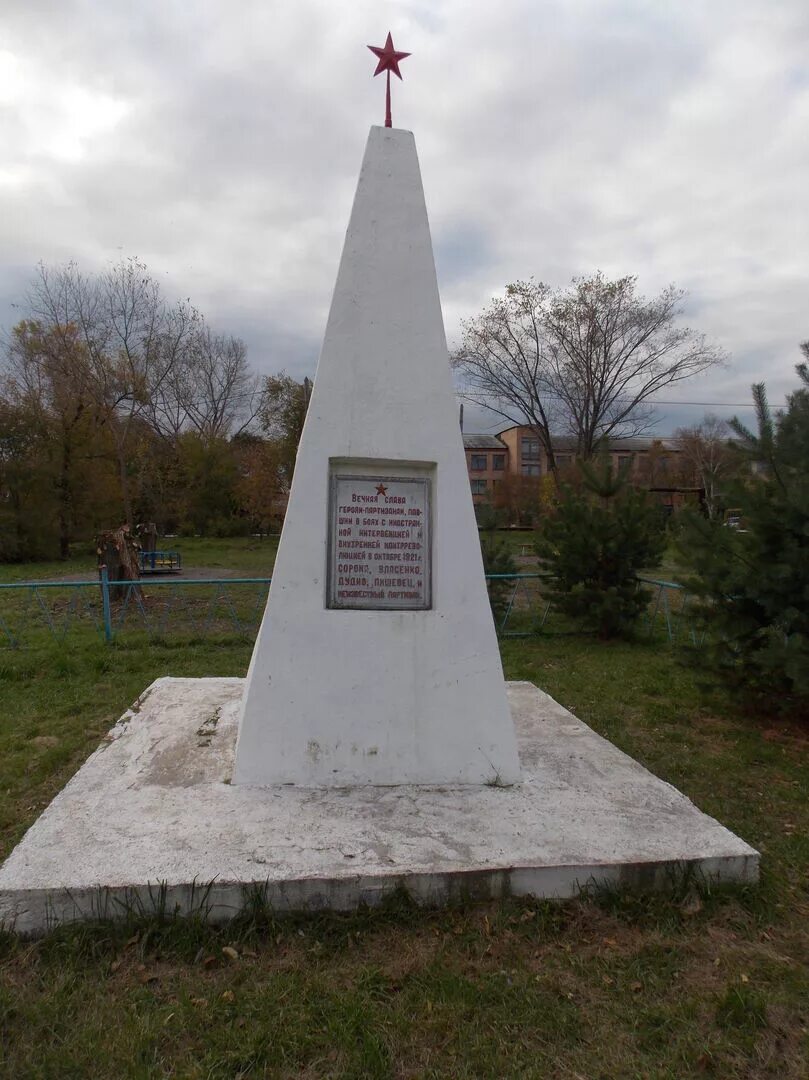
(379, 543)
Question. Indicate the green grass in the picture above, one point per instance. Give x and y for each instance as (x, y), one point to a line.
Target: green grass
(696, 983)
(520, 544)
(189, 610)
(671, 568)
(245, 556)
(237, 556)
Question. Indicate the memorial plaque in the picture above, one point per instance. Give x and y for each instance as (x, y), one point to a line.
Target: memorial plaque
(379, 543)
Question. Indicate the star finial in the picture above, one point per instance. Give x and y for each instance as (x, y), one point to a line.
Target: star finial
(388, 61)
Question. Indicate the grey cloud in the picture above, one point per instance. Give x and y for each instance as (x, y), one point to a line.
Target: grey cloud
(461, 250)
(666, 140)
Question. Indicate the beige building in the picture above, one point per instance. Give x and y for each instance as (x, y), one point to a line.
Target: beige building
(508, 467)
(487, 461)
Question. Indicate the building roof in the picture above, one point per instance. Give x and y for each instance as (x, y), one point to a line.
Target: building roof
(637, 442)
(483, 442)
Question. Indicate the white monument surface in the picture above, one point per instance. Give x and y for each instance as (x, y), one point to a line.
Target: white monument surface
(374, 744)
(377, 661)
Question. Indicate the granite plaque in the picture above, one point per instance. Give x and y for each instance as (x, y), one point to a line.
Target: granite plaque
(379, 543)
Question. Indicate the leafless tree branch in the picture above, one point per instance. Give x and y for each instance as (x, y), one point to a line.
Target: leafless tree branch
(584, 361)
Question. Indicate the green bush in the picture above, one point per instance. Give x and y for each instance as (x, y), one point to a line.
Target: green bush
(227, 527)
(497, 559)
(593, 544)
(755, 579)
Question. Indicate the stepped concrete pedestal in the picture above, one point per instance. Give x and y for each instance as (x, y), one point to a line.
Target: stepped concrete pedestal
(153, 819)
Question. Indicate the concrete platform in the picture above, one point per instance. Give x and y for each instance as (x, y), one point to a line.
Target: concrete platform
(152, 818)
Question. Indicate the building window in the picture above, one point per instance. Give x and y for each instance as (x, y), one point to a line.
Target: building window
(529, 449)
(564, 461)
(478, 487)
(498, 462)
(624, 463)
(478, 463)
(531, 470)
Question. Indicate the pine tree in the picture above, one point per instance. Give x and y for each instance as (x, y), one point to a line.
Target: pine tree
(602, 533)
(497, 559)
(755, 580)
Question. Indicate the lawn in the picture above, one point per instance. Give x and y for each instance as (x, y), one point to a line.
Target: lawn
(244, 556)
(698, 983)
(520, 545)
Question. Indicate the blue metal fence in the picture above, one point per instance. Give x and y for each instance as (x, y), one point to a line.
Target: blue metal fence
(211, 607)
(522, 609)
(201, 607)
(672, 605)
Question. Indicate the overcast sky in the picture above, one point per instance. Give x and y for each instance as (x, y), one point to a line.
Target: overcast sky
(220, 140)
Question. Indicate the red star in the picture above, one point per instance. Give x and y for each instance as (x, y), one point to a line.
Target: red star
(380, 488)
(388, 57)
(388, 61)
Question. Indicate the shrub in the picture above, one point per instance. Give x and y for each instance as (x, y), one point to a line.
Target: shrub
(755, 579)
(601, 534)
(497, 559)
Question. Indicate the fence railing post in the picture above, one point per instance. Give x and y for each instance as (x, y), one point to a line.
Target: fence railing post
(105, 603)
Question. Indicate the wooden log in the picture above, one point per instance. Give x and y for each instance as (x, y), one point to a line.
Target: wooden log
(118, 550)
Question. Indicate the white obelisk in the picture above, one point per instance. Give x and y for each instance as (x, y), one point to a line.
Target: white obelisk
(377, 660)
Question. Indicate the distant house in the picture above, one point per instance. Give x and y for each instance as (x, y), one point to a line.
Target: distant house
(514, 460)
(487, 461)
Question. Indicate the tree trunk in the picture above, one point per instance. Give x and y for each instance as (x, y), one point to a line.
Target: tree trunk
(118, 550)
(126, 500)
(64, 502)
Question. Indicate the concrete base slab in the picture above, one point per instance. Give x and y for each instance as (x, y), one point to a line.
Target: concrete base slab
(152, 819)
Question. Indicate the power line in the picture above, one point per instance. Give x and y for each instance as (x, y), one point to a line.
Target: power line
(558, 397)
(646, 401)
(474, 397)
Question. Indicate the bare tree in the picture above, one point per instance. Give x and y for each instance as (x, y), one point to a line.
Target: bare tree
(221, 391)
(706, 447)
(210, 388)
(132, 336)
(166, 405)
(583, 361)
(167, 413)
(503, 357)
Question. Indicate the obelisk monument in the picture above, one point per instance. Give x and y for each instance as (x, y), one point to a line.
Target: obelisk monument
(376, 668)
(377, 660)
